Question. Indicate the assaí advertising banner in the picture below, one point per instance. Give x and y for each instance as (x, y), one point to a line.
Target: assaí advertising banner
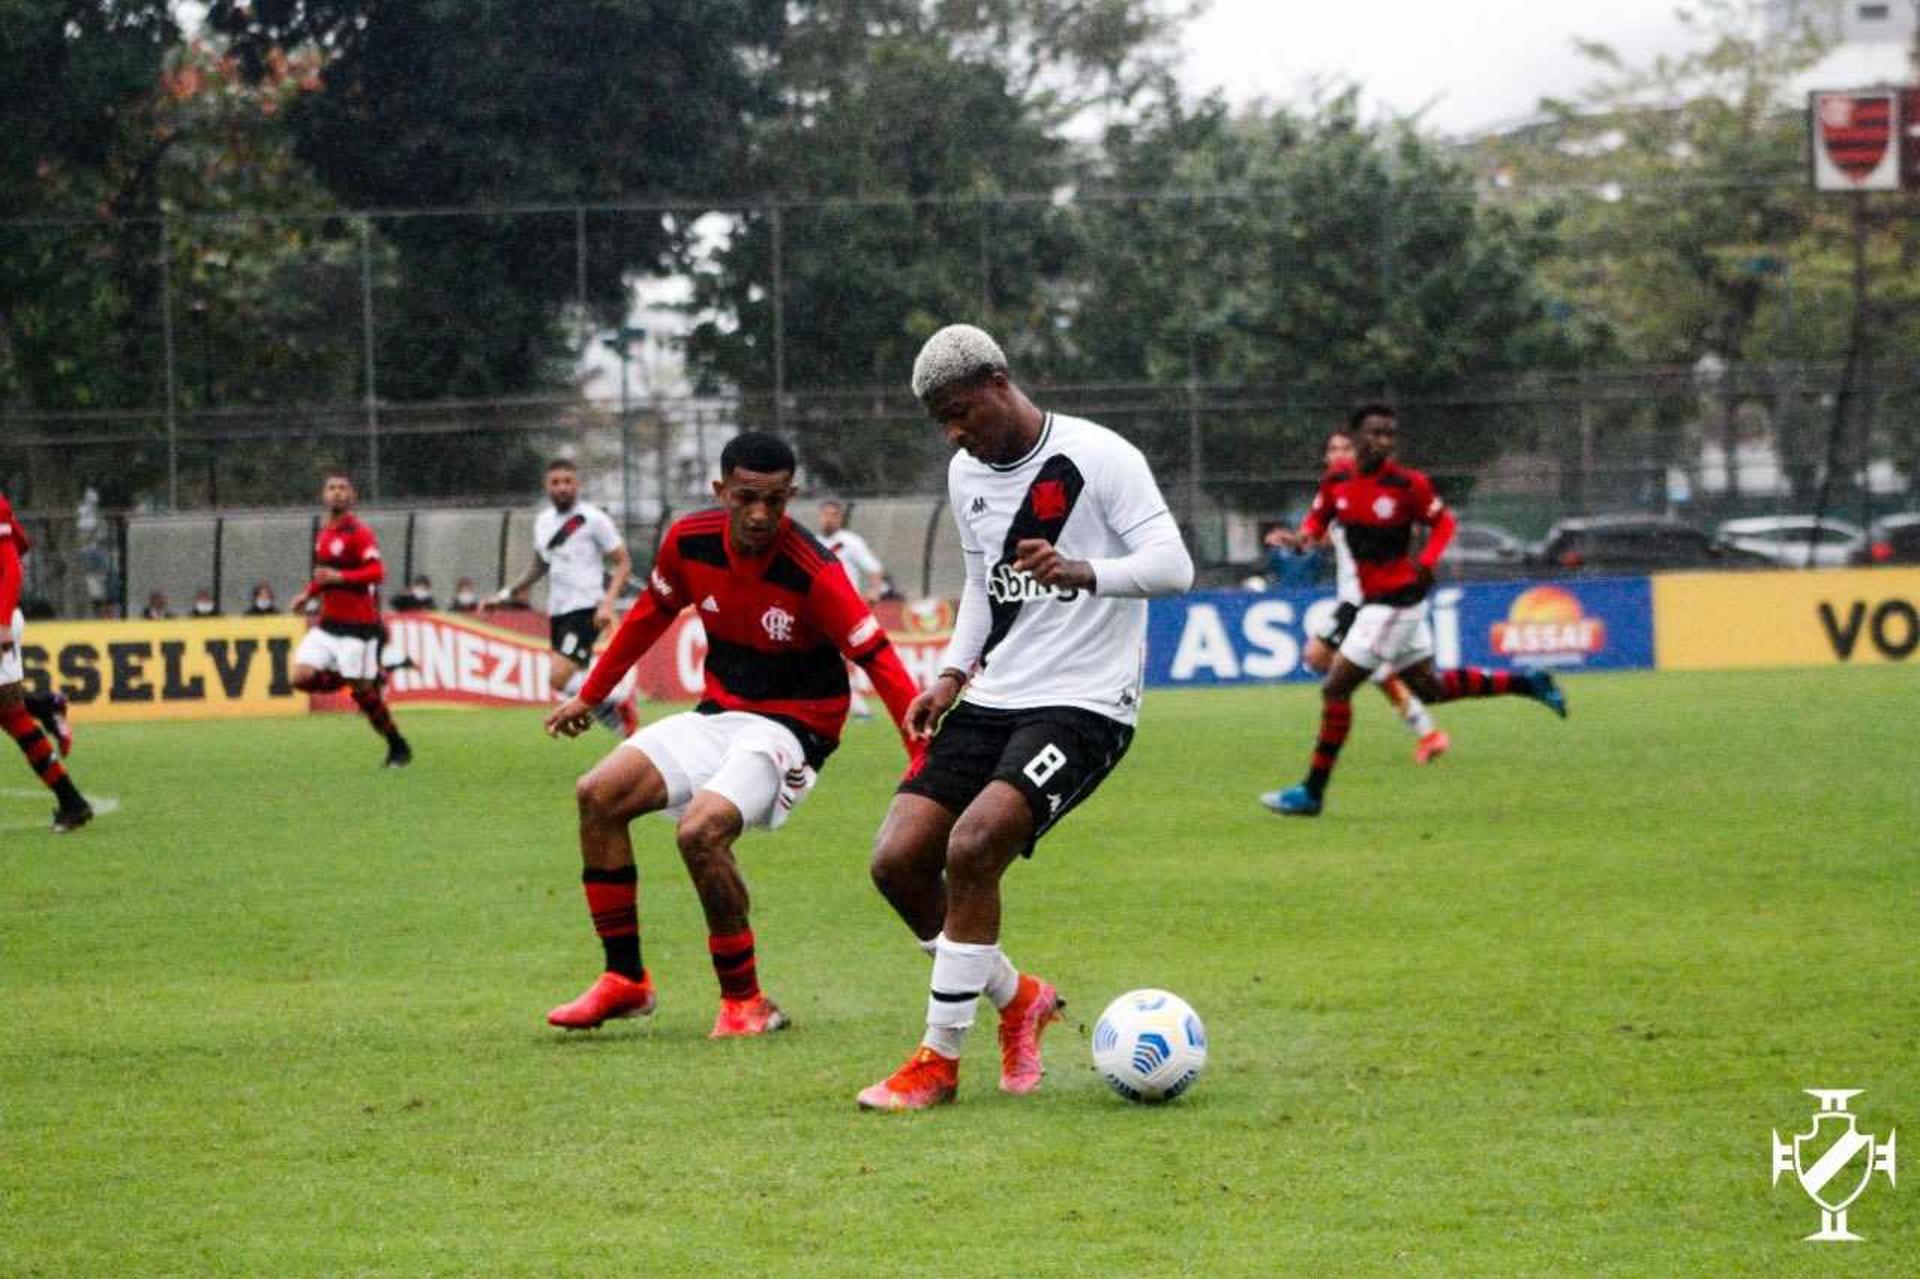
(190, 668)
(1233, 637)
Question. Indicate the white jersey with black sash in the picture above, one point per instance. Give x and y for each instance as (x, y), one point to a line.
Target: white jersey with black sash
(574, 544)
(1091, 494)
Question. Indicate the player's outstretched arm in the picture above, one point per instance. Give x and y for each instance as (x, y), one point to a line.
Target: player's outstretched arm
(516, 593)
(1442, 526)
(840, 613)
(645, 623)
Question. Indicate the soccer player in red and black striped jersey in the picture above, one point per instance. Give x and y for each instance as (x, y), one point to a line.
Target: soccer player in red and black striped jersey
(343, 649)
(1377, 502)
(782, 621)
(15, 715)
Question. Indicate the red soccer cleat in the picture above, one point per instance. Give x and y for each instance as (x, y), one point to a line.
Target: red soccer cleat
(610, 996)
(928, 1079)
(1432, 747)
(756, 1016)
(629, 717)
(1035, 1006)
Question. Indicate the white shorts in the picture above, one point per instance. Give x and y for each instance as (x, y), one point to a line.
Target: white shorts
(353, 658)
(1389, 637)
(748, 760)
(12, 670)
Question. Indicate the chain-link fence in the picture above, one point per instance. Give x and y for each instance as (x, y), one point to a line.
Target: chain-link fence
(221, 364)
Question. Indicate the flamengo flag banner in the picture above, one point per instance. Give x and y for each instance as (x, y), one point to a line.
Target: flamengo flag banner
(1856, 140)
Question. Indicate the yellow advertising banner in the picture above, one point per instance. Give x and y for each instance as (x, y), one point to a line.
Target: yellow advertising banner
(193, 668)
(1819, 617)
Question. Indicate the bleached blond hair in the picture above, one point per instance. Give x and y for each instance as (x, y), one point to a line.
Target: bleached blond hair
(954, 354)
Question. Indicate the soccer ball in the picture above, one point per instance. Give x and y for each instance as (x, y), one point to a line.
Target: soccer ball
(1149, 1045)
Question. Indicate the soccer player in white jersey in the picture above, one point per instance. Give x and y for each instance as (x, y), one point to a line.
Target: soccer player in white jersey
(1065, 536)
(576, 542)
(1323, 644)
(863, 567)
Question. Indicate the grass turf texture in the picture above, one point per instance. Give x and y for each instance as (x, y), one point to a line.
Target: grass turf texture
(1533, 1010)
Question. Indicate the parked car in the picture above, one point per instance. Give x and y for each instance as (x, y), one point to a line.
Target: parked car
(1892, 540)
(1637, 543)
(1482, 546)
(1784, 539)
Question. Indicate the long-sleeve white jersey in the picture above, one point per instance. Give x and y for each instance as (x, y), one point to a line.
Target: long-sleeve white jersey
(1090, 493)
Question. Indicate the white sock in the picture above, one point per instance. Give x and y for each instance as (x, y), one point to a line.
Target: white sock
(1003, 982)
(932, 944)
(857, 703)
(960, 971)
(1419, 719)
(573, 685)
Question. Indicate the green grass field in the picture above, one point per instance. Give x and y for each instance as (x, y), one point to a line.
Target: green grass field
(1532, 1011)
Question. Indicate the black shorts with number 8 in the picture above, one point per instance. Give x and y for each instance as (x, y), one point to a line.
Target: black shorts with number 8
(1054, 755)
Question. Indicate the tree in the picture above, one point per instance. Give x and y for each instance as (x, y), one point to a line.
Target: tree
(1315, 255)
(902, 125)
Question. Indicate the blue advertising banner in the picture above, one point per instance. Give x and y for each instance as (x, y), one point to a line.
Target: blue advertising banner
(1236, 637)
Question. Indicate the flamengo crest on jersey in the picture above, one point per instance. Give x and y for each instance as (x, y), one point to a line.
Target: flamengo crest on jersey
(575, 547)
(1082, 487)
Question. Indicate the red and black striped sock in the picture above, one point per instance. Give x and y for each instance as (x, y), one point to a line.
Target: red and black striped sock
(36, 746)
(734, 964)
(1472, 681)
(374, 707)
(1336, 718)
(611, 896)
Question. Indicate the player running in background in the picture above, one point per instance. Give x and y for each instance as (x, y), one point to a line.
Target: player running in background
(577, 543)
(343, 647)
(862, 566)
(36, 743)
(1321, 647)
(782, 621)
(1378, 501)
(1065, 536)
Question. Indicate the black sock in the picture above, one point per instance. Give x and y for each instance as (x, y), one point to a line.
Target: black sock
(68, 794)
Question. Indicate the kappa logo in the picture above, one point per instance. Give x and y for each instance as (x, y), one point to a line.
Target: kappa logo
(1384, 506)
(778, 623)
(1833, 1161)
(708, 606)
(977, 507)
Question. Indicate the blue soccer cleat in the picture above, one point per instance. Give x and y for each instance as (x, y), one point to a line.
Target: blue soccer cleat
(1541, 688)
(1294, 801)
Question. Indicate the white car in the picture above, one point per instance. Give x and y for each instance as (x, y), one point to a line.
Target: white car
(1793, 540)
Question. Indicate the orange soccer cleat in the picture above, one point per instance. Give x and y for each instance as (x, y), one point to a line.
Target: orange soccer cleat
(928, 1079)
(756, 1016)
(1432, 747)
(610, 996)
(1036, 1005)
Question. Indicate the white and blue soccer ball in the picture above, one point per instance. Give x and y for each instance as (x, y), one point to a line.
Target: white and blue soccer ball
(1149, 1045)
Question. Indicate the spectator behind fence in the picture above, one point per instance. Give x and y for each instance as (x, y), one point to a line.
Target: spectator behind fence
(156, 609)
(263, 601)
(465, 598)
(204, 605)
(416, 598)
(1291, 567)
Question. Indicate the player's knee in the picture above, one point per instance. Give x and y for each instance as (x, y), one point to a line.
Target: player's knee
(891, 867)
(978, 851)
(702, 837)
(595, 799)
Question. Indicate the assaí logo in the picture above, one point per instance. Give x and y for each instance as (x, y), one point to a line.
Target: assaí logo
(1008, 585)
(1546, 626)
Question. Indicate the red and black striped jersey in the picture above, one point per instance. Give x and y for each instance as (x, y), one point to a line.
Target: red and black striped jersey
(14, 543)
(1378, 509)
(781, 627)
(353, 603)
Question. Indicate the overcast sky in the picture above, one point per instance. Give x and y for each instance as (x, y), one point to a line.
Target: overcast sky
(1472, 63)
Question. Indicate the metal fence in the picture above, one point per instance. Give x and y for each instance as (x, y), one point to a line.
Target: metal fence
(241, 356)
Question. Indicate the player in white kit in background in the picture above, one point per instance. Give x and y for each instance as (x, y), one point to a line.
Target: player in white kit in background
(1065, 536)
(864, 569)
(1323, 644)
(576, 543)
